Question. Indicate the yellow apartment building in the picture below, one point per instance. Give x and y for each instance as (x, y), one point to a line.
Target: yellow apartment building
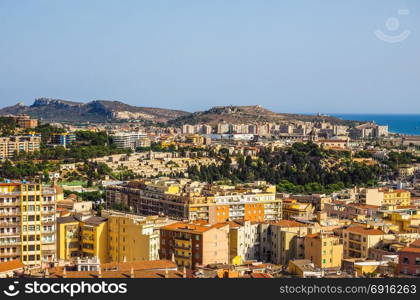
(133, 237)
(397, 197)
(386, 196)
(27, 223)
(324, 250)
(15, 144)
(358, 239)
(287, 240)
(293, 208)
(82, 236)
(185, 199)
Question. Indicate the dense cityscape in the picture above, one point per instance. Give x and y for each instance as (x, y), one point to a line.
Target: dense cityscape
(232, 192)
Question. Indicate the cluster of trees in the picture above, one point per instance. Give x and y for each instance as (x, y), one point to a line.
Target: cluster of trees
(7, 126)
(87, 196)
(396, 159)
(157, 147)
(73, 154)
(89, 145)
(303, 168)
(26, 169)
(93, 138)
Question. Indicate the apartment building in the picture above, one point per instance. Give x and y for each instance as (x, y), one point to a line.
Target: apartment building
(287, 241)
(82, 236)
(192, 244)
(16, 144)
(324, 250)
(185, 199)
(63, 139)
(27, 223)
(25, 121)
(358, 239)
(244, 240)
(409, 261)
(128, 140)
(133, 237)
(293, 208)
(385, 196)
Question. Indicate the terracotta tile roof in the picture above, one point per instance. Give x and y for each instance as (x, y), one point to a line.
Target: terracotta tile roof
(261, 275)
(118, 274)
(361, 205)
(415, 244)
(9, 184)
(312, 235)
(141, 269)
(288, 223)
(233, 224)
(191, 227)
(141, 265)
(365, 231)
(400, 191)
(410, 250)
(11, 265)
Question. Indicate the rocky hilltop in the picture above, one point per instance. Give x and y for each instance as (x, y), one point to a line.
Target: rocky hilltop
(58, 110)
(94, 111)
(245, 114)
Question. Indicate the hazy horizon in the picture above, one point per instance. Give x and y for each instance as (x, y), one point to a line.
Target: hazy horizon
(302, 56)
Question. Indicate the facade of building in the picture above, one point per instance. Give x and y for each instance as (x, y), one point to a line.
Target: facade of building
(129, 140)
(386, 196)
(185, 199)
(409, 261)
(192, 244)
(293, 208)
(25, 121)
(287, 241)
(357, 240)
(82, 236)
(134, 238)
(324, 250)
(63, 139)
(27, 223)
(11, 145)
(244, 240)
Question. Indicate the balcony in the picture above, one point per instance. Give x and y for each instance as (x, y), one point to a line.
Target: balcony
(9, 204)
(9, 213)
(184, 247)
(48, 223)
(9, 224)
(184, 256)
(182, 238)
(9, 254)
(17, 233)
(50, 212)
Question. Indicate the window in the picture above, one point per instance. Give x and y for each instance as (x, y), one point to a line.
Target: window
(406, 261)
(417, 260)
(324, 261)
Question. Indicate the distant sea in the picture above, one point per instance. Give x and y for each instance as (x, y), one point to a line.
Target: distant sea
(404, 124)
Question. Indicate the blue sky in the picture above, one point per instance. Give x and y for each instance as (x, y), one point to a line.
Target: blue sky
(290, 56)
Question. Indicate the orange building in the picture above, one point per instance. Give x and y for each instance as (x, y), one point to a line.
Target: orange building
(192, 244)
